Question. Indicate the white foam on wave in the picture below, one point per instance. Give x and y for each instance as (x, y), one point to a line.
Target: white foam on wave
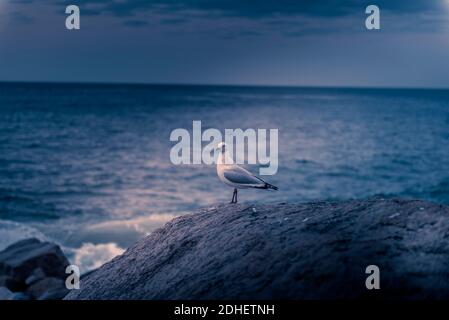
(87, 257)
(122, 232)
(88, 246)
(11, 232)
(92, 256)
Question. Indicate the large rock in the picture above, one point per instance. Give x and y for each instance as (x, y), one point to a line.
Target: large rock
(10, 283)
(33, 270)
(20, 260)
(285, 251)
(48, 289)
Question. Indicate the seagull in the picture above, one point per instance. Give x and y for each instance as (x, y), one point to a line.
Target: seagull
(236, 176)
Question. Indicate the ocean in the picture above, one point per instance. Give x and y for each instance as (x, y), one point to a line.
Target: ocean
(87, 165)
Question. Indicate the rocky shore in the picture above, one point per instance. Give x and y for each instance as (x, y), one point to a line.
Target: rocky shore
(32, 270)
(314, 250)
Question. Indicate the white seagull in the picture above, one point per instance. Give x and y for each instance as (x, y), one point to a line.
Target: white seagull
(236, 176)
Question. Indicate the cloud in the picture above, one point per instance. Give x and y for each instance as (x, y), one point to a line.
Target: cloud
(19, 1)
(259, 9)
(287, 17)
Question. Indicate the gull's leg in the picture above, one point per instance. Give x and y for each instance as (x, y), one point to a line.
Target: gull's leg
(233, 195)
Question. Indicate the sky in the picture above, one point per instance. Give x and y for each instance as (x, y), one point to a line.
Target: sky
(250, 42)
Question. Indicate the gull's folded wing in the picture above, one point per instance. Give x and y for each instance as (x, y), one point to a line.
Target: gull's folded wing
(241, 176)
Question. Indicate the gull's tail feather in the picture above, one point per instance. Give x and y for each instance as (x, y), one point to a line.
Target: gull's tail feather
(270, 186)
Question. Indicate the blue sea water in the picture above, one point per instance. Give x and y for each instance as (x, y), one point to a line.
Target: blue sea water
(88, 165)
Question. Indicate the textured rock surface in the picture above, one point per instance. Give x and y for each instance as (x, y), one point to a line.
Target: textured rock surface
(32, 269)
(293, 251)
(47, 287)
(20, 259)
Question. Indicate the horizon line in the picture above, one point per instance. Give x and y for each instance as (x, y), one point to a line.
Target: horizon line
(175, 84)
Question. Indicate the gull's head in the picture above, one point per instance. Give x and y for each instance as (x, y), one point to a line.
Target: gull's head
(221, 147)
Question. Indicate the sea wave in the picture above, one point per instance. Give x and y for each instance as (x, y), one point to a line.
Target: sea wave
(92, 256)
(11, 232)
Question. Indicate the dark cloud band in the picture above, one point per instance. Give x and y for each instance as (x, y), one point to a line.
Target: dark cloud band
(253, 8)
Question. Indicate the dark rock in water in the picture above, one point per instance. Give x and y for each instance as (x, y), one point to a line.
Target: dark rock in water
(22, 258)
(5, 294)
(20, 296)
(47, 287)
(56, 293)
(36, 275)
(35, 267)
(10, 283)
(286, 251)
